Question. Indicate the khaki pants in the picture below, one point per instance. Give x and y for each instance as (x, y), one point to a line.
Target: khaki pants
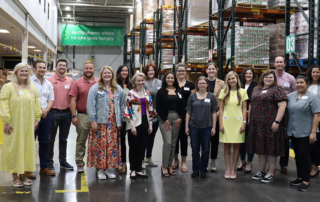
(82, 131)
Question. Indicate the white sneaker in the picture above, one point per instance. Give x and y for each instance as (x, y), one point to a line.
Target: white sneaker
(109, 174)
(143, 165)
(101, 175)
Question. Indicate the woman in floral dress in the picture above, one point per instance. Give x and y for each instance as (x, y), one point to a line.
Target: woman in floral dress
(266, 133)
(105, 108)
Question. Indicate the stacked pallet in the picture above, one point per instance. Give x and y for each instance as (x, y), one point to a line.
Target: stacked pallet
(277, 42)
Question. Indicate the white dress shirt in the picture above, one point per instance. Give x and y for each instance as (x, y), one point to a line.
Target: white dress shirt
(45, 90)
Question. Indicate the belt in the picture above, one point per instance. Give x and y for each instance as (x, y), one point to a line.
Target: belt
(82, 112)
(61, 110)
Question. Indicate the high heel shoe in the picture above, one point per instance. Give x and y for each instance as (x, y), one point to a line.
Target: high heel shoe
(315, 175)
(248, 171)
(123, 169)
(243, 167)
(164, 174)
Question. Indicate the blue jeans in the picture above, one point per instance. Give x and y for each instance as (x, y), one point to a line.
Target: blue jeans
(200, 137)
(42, 133)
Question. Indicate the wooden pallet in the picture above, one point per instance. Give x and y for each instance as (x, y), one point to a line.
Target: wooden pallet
(243, 66)
(248, 5)
(292, 8)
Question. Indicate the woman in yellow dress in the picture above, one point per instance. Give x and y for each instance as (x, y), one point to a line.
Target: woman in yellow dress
(20, 114)
(232, 119)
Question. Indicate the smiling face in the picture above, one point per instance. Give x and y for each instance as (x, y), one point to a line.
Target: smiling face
(88, 70)
(315, 74)
(202, 85)
(61, 67)
(40, 70)
(248, 75)
(107, 75)
(232, 80)
(124, 72)
(22, 74)
(268, 80)
(150, 73)
(301, 85)
(181, 72)
(211, 71)
(139, 82)
(170, 80)
(279, 64)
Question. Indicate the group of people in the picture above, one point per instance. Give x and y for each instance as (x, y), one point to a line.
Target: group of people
(250, 117)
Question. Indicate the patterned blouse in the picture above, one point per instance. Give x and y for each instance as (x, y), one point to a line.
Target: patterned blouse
(133, 108)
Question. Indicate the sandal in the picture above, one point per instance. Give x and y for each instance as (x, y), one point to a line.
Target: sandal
(184, 170)
(17, 182)
(27, 181)
(175, 165)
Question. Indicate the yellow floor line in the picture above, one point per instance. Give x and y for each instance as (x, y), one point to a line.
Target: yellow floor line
(84, 185)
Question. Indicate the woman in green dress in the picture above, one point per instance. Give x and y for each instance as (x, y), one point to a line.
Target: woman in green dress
(20, 114)
(232, 119)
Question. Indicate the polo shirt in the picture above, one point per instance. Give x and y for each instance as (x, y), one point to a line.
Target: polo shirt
(45, 91)
(287, 82)
(61, 89)
(80, 89)
(301, 113)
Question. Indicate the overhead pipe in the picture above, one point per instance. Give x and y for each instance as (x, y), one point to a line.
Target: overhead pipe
(94, 5)
(60, 11)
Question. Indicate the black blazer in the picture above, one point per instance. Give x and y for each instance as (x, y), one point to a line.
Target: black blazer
(162, 106)
(250, 91)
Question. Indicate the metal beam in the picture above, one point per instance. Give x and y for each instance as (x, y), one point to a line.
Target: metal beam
(60, 11)
(94, 5)
(106, 3)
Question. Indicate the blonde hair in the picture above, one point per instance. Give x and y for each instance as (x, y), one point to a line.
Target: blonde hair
(15, 81)
(113, 82)
(227, 88)
(135, 77)
(88, 62)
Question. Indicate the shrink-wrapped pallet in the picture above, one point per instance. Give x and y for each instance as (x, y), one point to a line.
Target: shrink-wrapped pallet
(277, 42)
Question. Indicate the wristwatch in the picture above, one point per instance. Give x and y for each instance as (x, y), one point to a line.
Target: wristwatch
(277, 122)
(72, 116)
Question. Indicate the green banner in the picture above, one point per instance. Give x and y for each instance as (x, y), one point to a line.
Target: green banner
(80, 35)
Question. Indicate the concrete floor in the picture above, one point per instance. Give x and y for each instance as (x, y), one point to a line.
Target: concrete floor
(72, 187)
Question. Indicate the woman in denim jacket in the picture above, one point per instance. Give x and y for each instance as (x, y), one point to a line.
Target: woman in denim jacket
(105, 108)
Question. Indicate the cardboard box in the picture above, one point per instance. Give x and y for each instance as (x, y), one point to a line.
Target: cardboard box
(9, 75)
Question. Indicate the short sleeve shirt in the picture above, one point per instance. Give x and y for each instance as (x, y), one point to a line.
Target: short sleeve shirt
(287, 82)
(301, 113)
(153, 89)
(201, 110)
(45, 91)
(61, 90)
(80, 89)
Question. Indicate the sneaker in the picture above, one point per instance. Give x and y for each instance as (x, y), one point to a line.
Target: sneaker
(66, 165)
(149, 162)
(203, 174)
(268, 178)
(80, 169)
(143, 165)
(296, 182)
(303, 187)
(212, 167)
(195, 174)
(47, 171)
(51, 167)
(101, 175)
(258, 176)
(109, 174)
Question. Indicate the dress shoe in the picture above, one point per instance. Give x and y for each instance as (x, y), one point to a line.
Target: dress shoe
(30, 175)
(283, 170)
(47, 171)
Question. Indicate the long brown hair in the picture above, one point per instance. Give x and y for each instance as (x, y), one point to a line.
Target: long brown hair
(113, 82)
(119, 78)
(227, 88)
(309, 73)
(264, 74)
(243, 76)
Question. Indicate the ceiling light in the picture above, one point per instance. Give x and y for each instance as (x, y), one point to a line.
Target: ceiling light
(68, 16)
(31, 47)
(4, 31)
(37, 50)
(130, 10)
(68, 8)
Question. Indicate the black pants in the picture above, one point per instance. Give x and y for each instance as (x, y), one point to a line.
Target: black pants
(150, 139)
(243, 151)
(183, 139)
(302, 148)
(284, 160)
(61, 120)
(215, 143)
(315, 152)
(42, 133)
(137, 145)
(123, 133)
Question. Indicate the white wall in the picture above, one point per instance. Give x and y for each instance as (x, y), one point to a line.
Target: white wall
(40, 15)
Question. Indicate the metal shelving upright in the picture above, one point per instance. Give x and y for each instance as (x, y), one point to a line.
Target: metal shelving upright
(134, 32)
(144, 48)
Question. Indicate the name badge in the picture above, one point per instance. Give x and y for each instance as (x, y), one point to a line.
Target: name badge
(236, 97)
(179, 95)
(239, 118)
(286, 84)
(264, 91)
(207, 100)
(186, 88)
(304, 97)
(66, 86)
(20, 92)
(159, 88)
(225, 117)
